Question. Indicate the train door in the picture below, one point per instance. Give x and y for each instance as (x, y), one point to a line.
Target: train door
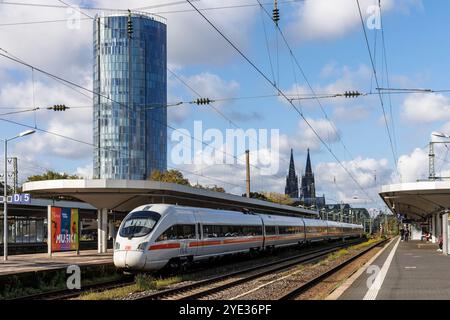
(184, 247)
(191, 246)
(188, 234)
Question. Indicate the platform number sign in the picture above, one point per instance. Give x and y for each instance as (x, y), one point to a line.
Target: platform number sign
(21, 198)
(64, 229)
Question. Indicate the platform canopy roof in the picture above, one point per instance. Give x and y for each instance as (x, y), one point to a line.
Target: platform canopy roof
(417, 200)
(125, 195)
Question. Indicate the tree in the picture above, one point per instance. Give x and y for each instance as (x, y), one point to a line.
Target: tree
(278, 198)
(214, 188)
(256, 195)
(52, 175)
(172, 176)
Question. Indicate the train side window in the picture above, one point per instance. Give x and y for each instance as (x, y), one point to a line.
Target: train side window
(270, 230)
(290, 229)
(219, 231)
(178, 232)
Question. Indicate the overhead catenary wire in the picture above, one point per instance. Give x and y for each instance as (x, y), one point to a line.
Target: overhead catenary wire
(112, 100)
(280, 92)
(218, 112)
(383, 41)
(55, 6)
(91, 144)
(314, 95)
(394, 155)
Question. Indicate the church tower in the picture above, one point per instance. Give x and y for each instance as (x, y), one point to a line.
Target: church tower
(291, 189)
(308, 191)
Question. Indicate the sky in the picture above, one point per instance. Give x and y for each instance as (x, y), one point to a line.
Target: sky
(329, 56)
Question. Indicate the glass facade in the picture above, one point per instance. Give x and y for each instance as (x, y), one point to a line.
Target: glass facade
(25, 229)
(130, 114)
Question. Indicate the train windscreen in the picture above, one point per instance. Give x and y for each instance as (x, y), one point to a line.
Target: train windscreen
(139, 224)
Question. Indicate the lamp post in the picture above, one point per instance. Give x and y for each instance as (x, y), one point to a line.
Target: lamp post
(5, 193)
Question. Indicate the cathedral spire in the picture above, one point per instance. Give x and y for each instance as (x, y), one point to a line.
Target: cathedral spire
(308, 188)
(291, 164)
(291, 189)
(308, 170)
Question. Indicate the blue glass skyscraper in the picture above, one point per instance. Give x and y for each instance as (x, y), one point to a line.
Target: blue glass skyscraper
(130, 114)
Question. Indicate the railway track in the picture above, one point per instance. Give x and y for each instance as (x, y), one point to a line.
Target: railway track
(216, 284)
(315, 281)
(68, 294)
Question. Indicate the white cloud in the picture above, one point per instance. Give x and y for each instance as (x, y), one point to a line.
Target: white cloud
(51, 46)
(67, 52)
(86, 171)
(356, 113)
(75, 123)
(232, 176)
(368, 172)
(211, 85)
(304, 137)
(324, 19)
(414, 166)
(191, 40)
(341, 79)
(425, 108)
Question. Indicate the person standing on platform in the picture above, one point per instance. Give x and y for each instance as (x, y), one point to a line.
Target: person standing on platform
(406, 234)
(402, 233)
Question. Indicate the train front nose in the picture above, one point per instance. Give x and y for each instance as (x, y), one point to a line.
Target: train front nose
(129, 259)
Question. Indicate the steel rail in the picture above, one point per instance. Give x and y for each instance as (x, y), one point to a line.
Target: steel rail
(272, 267)
(313, 282)
(67, 294)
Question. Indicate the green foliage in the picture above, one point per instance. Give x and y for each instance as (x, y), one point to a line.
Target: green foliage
(278, 198)
(52, 280)
(175, 176)
(214, 188)
(172, 176)
(256, 195)
(52, 175)
(145, 282)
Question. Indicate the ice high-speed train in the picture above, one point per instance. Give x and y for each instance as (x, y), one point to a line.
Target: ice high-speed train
(151, 236)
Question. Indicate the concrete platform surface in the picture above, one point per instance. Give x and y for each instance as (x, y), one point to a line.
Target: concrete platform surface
(403, 271)
(40, 261)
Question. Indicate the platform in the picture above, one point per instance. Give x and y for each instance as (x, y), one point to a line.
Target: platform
(406, 271)
(40, 261)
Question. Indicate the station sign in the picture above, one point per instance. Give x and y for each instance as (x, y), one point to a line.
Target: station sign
(18, 198)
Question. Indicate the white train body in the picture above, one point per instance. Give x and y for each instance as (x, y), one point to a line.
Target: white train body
(153, 235)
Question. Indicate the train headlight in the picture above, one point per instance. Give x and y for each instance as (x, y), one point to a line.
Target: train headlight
(142, 246)
(117, 246)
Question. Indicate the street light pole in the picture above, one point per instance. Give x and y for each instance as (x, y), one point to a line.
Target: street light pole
(5, 193)
(5, 205)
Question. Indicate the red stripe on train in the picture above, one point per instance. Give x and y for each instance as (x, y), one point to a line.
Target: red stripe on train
(204, 243)
(164, 246)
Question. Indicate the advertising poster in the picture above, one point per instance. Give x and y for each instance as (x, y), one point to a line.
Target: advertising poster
(65, 224)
